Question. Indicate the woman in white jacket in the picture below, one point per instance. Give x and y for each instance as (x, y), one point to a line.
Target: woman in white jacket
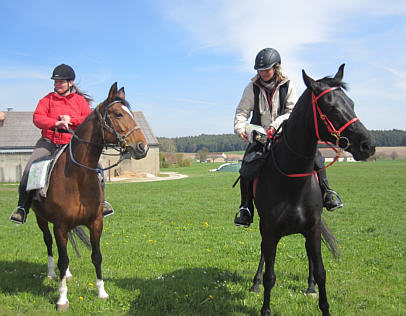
(270, 97)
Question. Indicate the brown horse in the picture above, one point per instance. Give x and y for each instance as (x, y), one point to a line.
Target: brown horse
(75, 195)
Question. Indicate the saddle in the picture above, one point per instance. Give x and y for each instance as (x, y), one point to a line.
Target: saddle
(40, 173)
(256, 154)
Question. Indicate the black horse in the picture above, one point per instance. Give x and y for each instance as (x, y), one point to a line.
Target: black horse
(288, 200)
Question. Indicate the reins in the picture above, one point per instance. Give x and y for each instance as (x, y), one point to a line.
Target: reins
(331, 129)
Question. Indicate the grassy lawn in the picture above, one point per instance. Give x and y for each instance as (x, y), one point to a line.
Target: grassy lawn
(172, 249)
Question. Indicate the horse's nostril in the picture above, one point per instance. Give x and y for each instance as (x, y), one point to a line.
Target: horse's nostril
(365, 146)
(141, 147)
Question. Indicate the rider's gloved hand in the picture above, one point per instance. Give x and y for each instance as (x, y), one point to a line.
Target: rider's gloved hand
(271, 131)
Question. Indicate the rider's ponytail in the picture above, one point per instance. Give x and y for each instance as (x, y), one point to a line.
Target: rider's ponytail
(87, 96)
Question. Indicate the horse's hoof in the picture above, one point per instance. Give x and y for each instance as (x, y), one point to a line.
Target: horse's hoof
(53, 277)
(62, 307)
(254, 289)
(104, 297)
(265, 312)
(313, 294)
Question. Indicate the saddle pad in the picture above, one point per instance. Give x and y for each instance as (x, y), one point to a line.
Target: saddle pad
(38, 174)
(42, 186)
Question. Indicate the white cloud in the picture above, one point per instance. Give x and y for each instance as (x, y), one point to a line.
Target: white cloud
(244, 27)
(314, 35)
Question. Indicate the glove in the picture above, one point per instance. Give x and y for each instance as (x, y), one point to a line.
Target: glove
(271, 131)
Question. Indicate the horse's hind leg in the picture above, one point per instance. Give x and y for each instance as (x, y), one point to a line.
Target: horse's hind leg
(258, 275)
(313, 246)
(61, 238)
(96, 229)
(43, 225)
(268, 249)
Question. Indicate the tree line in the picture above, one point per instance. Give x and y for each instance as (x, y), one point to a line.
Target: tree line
(231, 142)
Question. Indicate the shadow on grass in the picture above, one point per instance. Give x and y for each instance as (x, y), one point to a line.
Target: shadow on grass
(193, 291)
(22, 276)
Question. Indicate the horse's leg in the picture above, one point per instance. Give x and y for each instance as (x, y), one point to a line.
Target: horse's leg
(268, 250)
(311, 281)
(258, 275)
(61, 238)
(43, 225)
(313, 240)
(96, 229)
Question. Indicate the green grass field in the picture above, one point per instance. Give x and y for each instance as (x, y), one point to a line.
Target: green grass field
(172, 249)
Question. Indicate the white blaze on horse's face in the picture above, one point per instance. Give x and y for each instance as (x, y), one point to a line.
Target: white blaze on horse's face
(128, 111)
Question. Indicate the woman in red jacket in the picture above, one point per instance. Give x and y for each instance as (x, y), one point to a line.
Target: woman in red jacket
(64, 108)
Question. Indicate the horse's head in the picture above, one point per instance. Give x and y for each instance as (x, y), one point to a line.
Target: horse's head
(334, 118)
(119, 126)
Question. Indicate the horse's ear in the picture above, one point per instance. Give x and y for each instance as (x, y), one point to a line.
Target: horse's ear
(340, 73)
(309, 82)
(121, 93)
(112, 92)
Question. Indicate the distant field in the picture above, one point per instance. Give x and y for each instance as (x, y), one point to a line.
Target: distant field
(387, 151)
(382, 152)
(172, 249)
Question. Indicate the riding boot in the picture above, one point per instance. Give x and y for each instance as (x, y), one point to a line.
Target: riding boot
(245, 215)
(107, 208)
(20, 213)
(331, 199)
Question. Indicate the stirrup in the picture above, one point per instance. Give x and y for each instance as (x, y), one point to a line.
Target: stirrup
(109, 209)
(243, 208)
(15, 211)
(246, 225)
(339, 202)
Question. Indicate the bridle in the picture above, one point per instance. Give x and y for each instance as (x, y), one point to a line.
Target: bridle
(330, 127)
(342, 142)
(122, 142)
(106, 124)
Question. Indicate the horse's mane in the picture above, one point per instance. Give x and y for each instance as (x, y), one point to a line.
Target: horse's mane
(330, 81)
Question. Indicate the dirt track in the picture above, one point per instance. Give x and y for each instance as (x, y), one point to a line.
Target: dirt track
(146, 177)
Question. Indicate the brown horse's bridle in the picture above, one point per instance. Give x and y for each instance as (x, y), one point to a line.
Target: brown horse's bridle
(110, 127)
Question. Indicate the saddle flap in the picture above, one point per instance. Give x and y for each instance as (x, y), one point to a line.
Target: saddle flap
(40, 172)
(37, 176)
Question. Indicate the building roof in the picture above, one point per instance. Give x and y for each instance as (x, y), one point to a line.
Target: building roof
(19, 132)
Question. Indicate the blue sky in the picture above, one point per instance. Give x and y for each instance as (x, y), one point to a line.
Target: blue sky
(186, 63)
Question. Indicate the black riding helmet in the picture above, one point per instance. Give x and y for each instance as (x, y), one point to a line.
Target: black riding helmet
(266, 59)
(63, 72)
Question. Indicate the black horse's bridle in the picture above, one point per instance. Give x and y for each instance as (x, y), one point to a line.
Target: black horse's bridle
(342, 142)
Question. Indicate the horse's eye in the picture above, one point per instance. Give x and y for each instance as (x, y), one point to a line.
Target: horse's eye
(118, 114)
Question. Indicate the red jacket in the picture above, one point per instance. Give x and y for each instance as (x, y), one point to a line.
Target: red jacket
(51, 106)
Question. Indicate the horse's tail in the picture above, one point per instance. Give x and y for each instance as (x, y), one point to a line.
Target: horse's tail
(80, 232)
(329, 240)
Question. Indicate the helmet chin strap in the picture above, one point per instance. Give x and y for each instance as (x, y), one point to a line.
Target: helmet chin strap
(63, 93)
